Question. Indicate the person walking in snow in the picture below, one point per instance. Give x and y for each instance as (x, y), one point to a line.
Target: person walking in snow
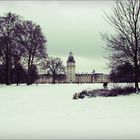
(105, 85)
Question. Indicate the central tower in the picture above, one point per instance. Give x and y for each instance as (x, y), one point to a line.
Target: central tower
(71, 76)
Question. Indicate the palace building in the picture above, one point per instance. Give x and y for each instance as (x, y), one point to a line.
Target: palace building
(72, 77)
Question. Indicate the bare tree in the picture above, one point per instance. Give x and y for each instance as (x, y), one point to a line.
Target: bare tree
(126, 21)
(7, 42)
(55, 68)
(22, 39)
(32, 42)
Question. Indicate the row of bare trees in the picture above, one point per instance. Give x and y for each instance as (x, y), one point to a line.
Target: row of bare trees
(21, 43)
(125, 44)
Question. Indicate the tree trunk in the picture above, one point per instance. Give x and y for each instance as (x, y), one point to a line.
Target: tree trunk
(29, 76)
(8, 74)
(18, 75)
(29, 71)
(7, 80)
(54, 77)
(136, 77)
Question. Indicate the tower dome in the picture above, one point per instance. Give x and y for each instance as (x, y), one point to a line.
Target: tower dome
(70, 58)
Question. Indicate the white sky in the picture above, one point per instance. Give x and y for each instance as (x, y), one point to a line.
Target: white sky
(69, 26)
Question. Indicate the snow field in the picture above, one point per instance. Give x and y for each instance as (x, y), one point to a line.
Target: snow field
(48, 112)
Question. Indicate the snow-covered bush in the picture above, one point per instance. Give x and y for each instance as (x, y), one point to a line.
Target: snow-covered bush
(116, 91)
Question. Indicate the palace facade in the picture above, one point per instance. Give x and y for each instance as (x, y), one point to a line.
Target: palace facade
(72, 77)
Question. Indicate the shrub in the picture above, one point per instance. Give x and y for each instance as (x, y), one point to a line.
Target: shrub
(116, 91)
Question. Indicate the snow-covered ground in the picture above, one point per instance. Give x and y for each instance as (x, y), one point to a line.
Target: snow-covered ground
(48, 111)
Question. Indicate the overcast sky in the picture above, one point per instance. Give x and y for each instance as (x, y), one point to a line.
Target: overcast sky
(69, 26)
